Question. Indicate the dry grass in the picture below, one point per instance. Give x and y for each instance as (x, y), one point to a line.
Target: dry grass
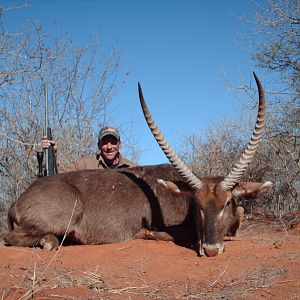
(225, 286)
(47, 281)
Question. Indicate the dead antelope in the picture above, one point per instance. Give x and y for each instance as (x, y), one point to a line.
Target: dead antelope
(166, 202)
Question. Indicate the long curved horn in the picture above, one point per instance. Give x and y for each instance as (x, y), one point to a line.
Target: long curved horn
(240, 167)
(174, 159)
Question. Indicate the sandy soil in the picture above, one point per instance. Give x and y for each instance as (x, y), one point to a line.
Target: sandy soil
(263, 262)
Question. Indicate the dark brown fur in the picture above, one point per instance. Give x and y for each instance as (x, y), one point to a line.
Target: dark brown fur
(110, 206)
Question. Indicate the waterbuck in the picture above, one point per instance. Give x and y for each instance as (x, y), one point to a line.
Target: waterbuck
(166, 202)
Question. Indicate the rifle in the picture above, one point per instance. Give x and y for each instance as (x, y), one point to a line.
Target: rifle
(50, 168)
(40, 157)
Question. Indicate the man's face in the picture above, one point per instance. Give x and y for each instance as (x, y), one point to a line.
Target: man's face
(109, 147)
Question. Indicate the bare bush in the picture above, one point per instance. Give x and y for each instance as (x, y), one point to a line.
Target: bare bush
(80, 86)
(276, 42)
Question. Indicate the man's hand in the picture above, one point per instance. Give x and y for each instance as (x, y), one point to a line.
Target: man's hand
(46, 144)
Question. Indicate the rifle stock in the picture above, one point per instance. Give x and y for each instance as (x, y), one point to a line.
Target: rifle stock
(40, 157)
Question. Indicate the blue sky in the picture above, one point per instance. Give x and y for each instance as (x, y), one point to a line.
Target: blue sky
(178, 50)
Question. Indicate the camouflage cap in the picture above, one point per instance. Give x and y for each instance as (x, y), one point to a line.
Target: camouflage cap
(108, 131)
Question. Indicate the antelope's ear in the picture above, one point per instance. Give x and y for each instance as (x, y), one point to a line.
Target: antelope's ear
(251, 189)
(175, 188)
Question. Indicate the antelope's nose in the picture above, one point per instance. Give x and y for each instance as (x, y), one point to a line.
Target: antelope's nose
(211, 251)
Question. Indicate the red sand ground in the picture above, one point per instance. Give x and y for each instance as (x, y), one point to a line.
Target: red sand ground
(263, 262)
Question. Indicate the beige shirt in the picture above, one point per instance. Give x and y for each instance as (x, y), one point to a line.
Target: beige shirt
(94, 162)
